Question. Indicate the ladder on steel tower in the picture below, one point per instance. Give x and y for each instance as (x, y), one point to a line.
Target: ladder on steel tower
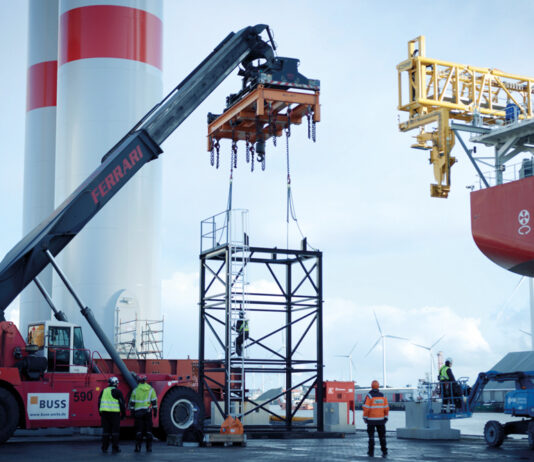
(238, 257)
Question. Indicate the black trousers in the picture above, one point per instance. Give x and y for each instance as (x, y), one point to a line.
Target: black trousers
(381, 430)
(143, 427)
(111, 423)
(239, 342)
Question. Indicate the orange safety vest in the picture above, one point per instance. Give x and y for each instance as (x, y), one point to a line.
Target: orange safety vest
(375, 408)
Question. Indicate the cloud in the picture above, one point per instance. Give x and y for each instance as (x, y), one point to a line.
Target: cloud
(13, 313)
(465, 339)
(180, 311)
(471, 343)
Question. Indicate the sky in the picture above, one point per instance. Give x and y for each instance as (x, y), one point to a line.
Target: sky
(361, 193)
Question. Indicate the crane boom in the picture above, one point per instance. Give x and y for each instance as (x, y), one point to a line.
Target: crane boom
(140, 145)
(436, 91)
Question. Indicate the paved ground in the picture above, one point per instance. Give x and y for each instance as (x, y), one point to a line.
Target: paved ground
(351, 448)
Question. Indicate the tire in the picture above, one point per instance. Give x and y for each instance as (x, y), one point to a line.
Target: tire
(9, 415)
(182, 408)
(530, 434)
(493, 433)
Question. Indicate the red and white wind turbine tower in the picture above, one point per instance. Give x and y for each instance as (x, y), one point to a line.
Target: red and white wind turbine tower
(94, 69)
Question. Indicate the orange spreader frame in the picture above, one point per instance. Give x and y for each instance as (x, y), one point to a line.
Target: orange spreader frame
(240, 120)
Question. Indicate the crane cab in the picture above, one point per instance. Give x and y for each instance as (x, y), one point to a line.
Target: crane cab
(61, 343)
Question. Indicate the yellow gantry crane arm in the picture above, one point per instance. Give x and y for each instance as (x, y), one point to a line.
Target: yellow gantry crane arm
(434, 92)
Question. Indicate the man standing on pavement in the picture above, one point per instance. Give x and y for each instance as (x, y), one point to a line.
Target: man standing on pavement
(143, 403)
(375, 415)
(112, 409)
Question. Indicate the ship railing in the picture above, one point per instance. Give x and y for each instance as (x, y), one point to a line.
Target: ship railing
(511, 172)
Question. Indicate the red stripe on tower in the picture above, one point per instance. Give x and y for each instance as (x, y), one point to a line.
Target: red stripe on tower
(42, 85)
(107, 31)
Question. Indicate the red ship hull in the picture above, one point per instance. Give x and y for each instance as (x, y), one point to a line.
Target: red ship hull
(502, 223)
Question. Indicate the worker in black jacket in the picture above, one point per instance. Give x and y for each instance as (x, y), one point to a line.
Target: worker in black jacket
(112, 409)
(242, 333)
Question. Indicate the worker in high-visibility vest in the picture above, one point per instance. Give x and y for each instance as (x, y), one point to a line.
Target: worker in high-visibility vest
(112, 409)
(242, 333)
(143, 403)
(375, 415)
(447, 382)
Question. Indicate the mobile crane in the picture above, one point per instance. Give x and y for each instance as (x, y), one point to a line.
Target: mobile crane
(52, 380)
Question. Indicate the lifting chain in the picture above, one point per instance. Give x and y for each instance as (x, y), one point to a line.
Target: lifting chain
(247, 147)
(215, 146)
(259, 137)
(288, 134)
(311, 125)
(252, 157)
(234, 153)
(217, 150)
(288, 128)
(212, 153)
(272, 124)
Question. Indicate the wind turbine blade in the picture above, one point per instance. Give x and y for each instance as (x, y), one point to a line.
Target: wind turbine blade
(355, 345)
(341, 356)
(373, 347)
(377, 323)
(352, 362)
(501, 311)
(420, 346)
(437, 341)
(525, 332)
(398, 338)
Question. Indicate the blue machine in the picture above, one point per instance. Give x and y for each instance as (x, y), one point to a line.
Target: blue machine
(462, 399)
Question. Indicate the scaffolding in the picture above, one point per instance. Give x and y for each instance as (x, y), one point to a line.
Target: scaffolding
(289, 303)
(139, 339)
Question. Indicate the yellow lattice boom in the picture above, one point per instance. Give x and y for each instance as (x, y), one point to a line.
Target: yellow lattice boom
(434, 91)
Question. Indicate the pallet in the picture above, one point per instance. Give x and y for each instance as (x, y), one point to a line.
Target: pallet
(224, 439)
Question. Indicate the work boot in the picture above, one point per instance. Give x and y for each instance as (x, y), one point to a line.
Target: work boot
(115, 450)
(370, 453)
(137, 446)
(105, 442)
(149, 446)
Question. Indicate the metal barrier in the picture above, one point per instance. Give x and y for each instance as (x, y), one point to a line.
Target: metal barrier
(452, 396)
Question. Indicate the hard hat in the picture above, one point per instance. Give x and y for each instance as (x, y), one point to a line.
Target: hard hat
(375, 385)
(141, 378)
(113, 381)
(448, 360)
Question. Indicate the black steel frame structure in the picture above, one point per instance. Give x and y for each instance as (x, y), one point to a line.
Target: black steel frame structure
(297, 276)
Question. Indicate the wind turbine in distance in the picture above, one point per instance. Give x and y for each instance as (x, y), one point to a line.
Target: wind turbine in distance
(429, 349)
(383, 339)
(349, 357)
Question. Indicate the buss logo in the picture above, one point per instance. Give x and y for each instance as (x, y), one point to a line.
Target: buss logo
(48, 406)
(523, 218)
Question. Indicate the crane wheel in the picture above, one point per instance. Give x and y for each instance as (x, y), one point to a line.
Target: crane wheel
(9, 415)
(493, 433)
(182, 408)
